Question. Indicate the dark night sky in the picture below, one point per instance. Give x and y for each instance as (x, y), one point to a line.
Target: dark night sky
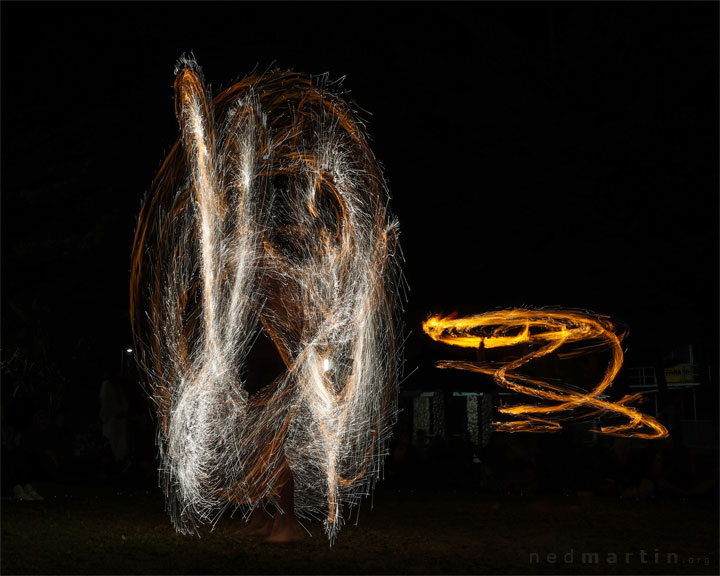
(537, 154)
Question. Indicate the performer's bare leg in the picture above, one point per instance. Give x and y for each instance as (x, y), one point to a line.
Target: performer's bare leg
(260, 524)
(285, 526)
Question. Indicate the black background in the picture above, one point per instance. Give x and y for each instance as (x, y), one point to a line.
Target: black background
(537, 154)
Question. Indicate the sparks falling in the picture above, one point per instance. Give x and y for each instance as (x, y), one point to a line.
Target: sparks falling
(270, 214)
(541, 333)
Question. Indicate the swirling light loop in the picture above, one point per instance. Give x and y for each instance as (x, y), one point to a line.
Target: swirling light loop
(547, 331)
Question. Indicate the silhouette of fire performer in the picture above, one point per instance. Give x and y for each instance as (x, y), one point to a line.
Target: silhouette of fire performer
(269, 217)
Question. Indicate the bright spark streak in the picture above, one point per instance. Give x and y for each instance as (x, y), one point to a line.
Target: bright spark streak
(269, 214)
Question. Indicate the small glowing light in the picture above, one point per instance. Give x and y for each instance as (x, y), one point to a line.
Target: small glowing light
(129, 350)
(327, 365)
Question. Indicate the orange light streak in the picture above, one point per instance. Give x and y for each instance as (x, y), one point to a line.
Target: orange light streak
(547, 331)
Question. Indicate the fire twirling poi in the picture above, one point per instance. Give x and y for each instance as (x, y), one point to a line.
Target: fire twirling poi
(270, 214)
(548, 331)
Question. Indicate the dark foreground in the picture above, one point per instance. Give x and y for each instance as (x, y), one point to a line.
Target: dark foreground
(105, 530)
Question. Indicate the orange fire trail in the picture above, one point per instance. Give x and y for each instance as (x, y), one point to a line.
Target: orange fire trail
(542, 333)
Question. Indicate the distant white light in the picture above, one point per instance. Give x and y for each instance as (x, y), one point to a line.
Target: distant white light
(327, 364)
(129, 350)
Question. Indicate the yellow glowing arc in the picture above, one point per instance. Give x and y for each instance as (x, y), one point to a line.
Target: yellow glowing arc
(552, 329)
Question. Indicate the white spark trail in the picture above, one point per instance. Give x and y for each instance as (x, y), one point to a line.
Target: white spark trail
(270, 214)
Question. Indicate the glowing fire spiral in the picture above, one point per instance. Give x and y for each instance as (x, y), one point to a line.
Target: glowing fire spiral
(546, 331)
(269, 214)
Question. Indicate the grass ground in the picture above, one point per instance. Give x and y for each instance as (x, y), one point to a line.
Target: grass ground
(106, 530)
